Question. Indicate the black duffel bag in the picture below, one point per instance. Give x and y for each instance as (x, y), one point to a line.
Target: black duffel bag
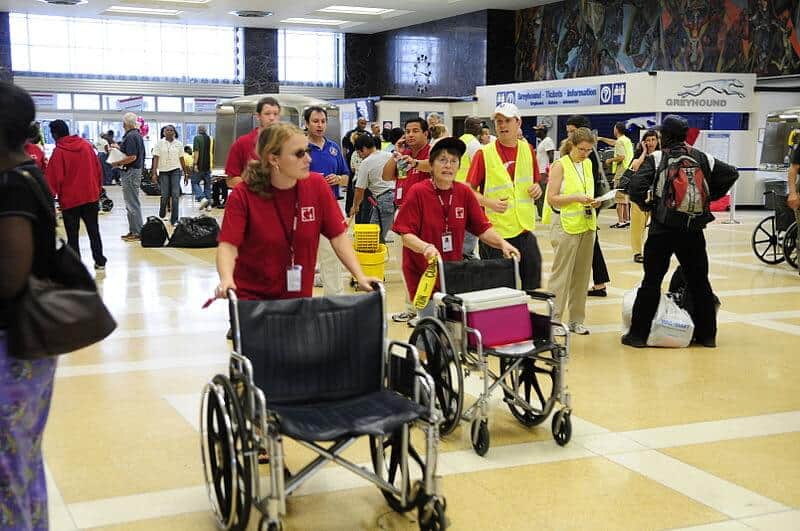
(147, 185)
(195, 233)
(154, 233)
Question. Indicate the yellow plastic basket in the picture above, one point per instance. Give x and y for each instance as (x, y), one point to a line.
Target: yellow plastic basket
(373, 264)
(367, 237)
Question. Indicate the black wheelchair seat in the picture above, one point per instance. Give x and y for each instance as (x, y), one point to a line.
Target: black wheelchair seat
(378, 413)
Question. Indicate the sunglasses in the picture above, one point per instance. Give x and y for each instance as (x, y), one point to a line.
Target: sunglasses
(300, 153)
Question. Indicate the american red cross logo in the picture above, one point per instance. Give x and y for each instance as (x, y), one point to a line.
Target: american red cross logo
(307, 214)
(459, 212)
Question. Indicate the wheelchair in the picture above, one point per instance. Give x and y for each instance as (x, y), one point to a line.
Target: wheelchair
(531, 374)
(775, 237)
(321, 372)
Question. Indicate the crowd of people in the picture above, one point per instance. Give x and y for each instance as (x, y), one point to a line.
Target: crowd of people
(473, 197)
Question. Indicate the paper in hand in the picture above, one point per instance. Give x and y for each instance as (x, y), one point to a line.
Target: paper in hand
(115, 155)
(608, 195)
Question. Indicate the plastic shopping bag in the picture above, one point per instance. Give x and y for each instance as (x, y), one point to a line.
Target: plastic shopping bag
(672, 326)
(627, 309)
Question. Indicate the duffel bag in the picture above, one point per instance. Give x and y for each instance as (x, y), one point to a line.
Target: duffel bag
(154, 233)
(195, 233)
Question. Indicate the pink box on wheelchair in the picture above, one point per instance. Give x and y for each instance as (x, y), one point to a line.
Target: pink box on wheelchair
(500, 314)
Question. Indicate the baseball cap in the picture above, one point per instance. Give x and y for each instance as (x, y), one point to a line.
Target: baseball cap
(674, 126)
(450, 144)
(509, 110)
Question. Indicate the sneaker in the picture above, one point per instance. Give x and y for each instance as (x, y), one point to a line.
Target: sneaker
(625, 225)
(615, 226)
(403, 317)
(633, 341)
(578, 328)
(203, 203)
(208, 208)
(559, 331)
(98, 267)
(412, 323)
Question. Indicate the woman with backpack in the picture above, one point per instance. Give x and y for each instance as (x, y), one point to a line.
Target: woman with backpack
(676, 185)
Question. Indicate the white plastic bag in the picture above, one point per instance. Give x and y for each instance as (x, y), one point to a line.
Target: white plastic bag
(672, 326)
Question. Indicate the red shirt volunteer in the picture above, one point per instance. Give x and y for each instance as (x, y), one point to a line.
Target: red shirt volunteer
(424, 214)
(258, 273)
(477, 171)
(413, 176)
(242, 151)
(37, 154)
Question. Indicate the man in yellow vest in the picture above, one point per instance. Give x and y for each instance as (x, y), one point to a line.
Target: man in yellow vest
(505, 175)
(472, 128)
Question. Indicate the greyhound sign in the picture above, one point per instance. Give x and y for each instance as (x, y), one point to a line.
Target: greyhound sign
(703, 92)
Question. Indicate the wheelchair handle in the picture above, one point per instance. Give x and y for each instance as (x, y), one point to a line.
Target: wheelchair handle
(231, 293)
(452, 299)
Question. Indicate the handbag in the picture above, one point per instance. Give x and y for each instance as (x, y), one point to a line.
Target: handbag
(62, 312)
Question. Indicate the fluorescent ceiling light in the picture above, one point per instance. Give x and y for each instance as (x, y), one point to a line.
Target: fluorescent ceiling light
(143, 10)
(315, 21)
(182, 1)
(354, 10)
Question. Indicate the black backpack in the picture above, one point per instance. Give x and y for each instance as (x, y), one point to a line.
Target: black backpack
(680, 189)
(154, 233)
(195, 233)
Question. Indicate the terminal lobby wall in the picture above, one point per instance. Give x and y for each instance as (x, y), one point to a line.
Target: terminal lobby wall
(575, 39)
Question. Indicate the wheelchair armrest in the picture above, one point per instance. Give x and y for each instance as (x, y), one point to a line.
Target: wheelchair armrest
(452, 299)
(540, 295)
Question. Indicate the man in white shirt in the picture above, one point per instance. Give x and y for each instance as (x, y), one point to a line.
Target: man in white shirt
(545, 154)
(168, 165)
(370, 177)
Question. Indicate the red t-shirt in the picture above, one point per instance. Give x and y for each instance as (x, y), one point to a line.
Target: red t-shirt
(424, 216)
(37, 154)
(253, 225)
(242, 151)
(477, 171)
(413, 176)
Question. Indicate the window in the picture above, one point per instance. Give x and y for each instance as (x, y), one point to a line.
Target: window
(169, 104)
(86, 102)
(308, 57)
(152, 50)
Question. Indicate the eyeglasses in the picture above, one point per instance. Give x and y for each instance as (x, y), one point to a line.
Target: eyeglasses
(447, 162)
(300, 153)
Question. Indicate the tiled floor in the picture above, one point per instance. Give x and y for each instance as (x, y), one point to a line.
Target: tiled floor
(663, 439)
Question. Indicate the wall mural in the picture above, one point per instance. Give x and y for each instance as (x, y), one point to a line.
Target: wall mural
(587, 37)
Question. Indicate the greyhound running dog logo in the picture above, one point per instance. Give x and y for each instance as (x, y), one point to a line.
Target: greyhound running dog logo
(728, 87)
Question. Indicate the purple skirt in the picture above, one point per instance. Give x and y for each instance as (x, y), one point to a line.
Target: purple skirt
(25, 391)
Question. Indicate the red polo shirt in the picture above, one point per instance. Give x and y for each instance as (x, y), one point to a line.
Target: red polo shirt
(242, 151)
(477, 170)
(424, 216)
(413, 176)
(256, 227)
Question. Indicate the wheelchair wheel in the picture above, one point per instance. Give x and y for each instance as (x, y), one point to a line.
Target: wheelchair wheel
(767, 241)
(390, 447)
(562, 427)
(226, 455)
(430, 515)
(523, 380)
(479, 434)
(790, 246)
(439, 358)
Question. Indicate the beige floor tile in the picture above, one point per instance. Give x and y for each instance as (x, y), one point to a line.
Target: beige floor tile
(183, 522)
(768, 465)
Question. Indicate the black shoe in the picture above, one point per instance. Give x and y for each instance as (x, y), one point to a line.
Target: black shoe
(600, 292)
(633, 341)
(708, 343)
(638, 258)
(229, 335)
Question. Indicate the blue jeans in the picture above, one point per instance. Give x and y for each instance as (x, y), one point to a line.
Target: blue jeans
(205, 191)
(131, 179)
(170, 184)
(386, 209)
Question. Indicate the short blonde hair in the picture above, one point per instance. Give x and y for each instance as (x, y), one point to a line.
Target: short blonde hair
(581, 134)
(438, 131)
(258, 174)
(130, 119)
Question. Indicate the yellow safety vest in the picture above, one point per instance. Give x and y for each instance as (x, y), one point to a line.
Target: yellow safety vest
(384, 145)
(463, 167)
(521, 213)
(628, 146)
(573, 218)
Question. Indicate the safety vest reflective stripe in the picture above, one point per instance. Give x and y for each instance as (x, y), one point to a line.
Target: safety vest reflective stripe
(573, 215)
(521, 213)
(463, 167)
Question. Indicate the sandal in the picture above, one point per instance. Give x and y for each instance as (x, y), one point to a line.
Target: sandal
(403, 317)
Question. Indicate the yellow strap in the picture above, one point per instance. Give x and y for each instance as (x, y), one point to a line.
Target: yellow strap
(426, 284)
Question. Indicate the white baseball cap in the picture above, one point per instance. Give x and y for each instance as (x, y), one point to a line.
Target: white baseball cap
(509, 110)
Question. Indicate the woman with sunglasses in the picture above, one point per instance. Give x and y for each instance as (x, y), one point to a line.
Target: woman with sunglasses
(273, 222)
(437, 213)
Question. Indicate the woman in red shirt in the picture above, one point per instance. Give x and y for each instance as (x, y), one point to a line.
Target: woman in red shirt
(436, 214)
(273, 222)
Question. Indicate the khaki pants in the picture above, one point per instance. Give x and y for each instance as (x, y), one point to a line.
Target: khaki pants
(572, 267)
(638, 226)
(330, 268)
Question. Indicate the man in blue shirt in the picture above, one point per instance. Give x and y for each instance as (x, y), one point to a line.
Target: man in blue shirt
(327, 159)
(132, 147)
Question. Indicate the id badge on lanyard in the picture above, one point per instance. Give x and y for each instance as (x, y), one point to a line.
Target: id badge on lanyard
(447, 242)
(294, 278)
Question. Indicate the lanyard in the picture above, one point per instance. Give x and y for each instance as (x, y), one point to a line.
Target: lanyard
(445, 209)
(580, 175)
(287, 234)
